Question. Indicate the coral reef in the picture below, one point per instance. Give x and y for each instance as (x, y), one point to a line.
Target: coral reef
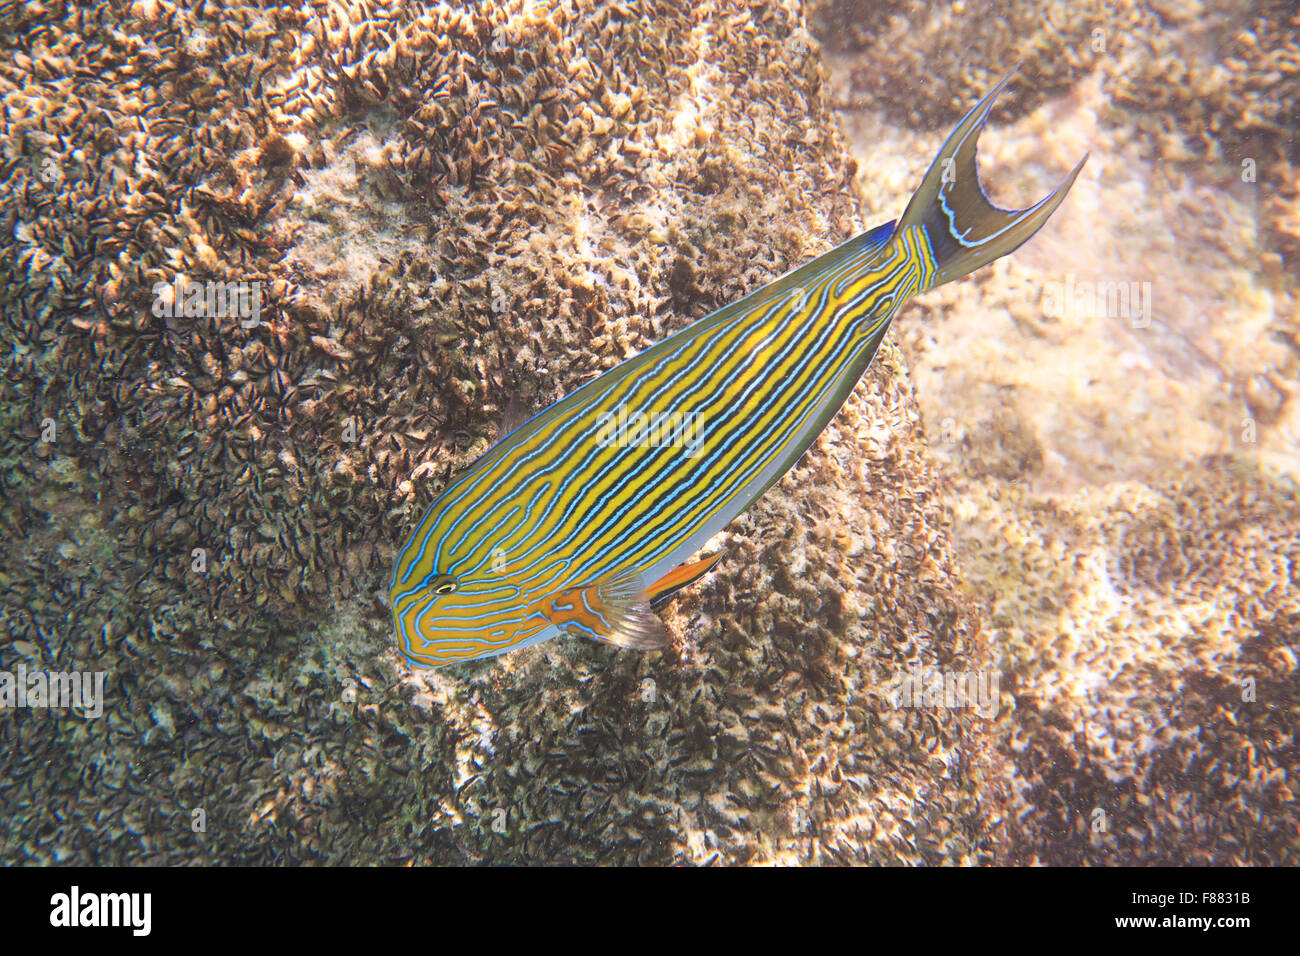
(452, 216)
(1203, 90)
(1148, 637)
(1123, 481)
(924, 63)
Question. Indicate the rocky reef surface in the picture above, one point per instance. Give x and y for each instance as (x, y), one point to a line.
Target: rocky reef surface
(454, 216)
(1121, 468)
(451, 213)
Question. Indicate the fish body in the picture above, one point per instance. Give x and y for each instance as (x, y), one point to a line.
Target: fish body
(582, 518)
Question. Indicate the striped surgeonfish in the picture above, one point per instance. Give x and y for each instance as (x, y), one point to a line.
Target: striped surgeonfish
(581, 519)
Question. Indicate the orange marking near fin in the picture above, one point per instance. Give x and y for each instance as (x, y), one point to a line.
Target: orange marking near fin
(614, 610)
(581, 606)
(680, 577)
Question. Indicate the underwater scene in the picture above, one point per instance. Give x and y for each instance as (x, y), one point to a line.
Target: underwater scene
(796, 432)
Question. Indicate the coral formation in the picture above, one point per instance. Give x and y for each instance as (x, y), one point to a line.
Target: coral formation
(1122, 483)
(1151, 635)
(1209, 90)
(452, 216)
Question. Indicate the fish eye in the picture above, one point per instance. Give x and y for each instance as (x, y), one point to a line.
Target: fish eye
(443, 584)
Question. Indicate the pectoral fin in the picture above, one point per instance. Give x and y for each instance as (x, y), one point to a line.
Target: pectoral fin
(614, 610)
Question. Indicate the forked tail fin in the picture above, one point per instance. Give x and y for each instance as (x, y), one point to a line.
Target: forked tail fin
(965, 230)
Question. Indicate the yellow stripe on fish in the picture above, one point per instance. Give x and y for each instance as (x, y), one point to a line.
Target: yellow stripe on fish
(580, 519)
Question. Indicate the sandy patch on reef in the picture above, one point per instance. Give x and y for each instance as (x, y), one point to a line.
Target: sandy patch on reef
(1107, 407)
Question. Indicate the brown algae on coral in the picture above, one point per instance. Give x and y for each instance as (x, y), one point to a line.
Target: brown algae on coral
(1113, 416)
(545, 190)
